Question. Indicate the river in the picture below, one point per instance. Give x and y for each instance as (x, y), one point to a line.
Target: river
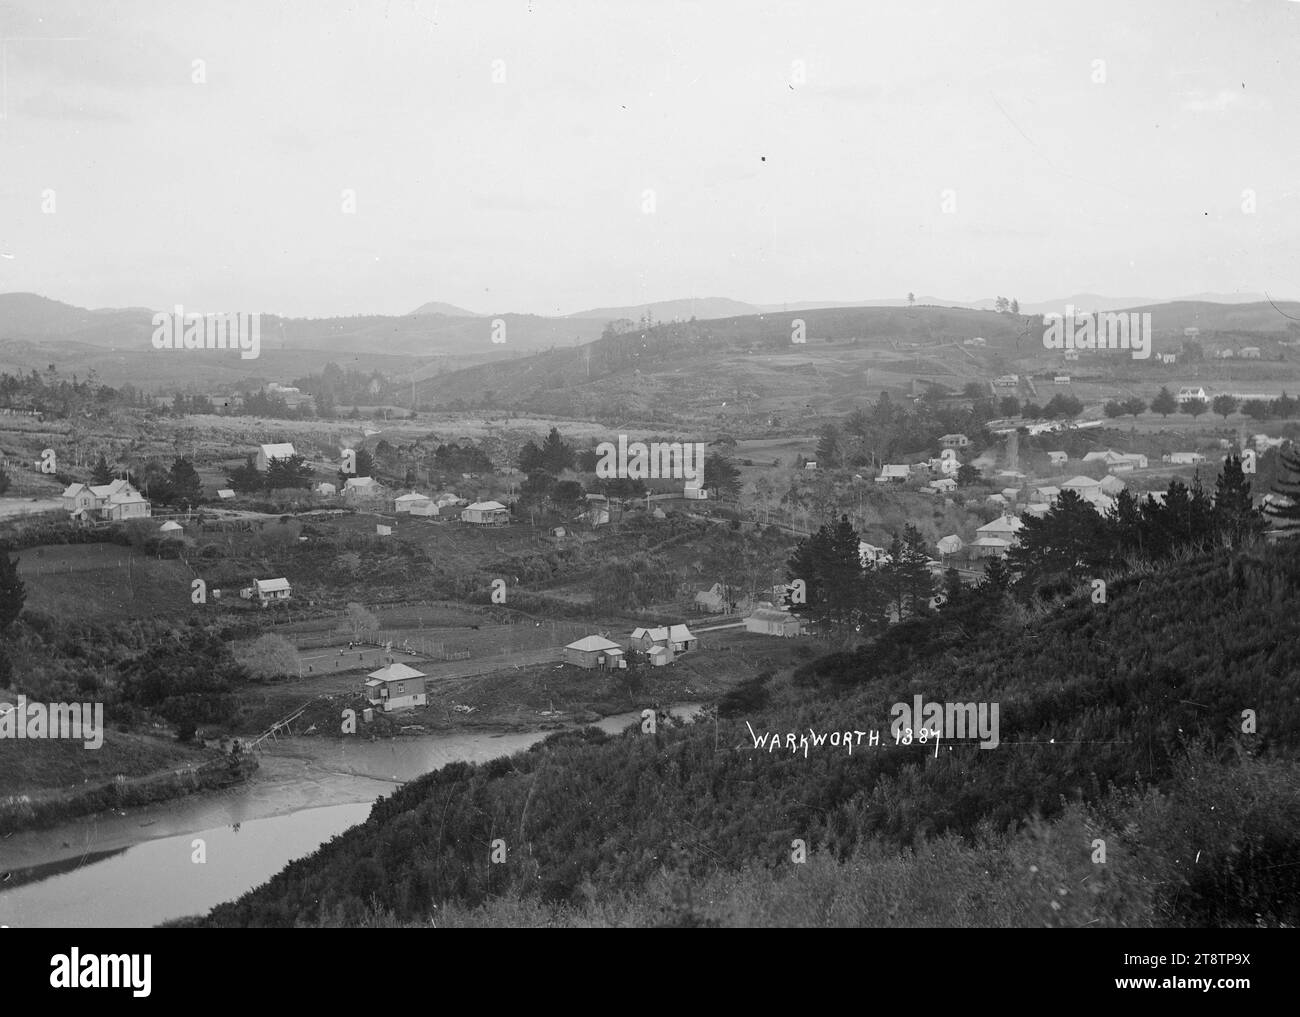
(183, 857)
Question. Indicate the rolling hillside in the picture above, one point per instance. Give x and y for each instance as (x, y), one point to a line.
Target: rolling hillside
(748, 368)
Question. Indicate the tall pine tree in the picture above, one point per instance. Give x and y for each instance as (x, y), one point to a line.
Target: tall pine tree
(1235, 515)
(12, 591)
(1282, 507)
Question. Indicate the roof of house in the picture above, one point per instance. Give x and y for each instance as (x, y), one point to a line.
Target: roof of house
(355, 482)
(950, 544)
(281, 450)
(169, 526)
(486, 506)
(589, 643)
(679, 632)
(270, 585)
(225, 492)
(1081, 483)
(1003, 524)
(771, 614)
(395, 673)
(100, 491)
(412, 497)
(659, 632)
(896, 470)
(991, 542)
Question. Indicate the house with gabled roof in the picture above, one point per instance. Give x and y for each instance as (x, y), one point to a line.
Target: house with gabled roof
(1005, 527)
(678, 638)
(266, 453)
(1082, 486)
(267, 590)
(114, 501)
(362, 487)
(714, 599)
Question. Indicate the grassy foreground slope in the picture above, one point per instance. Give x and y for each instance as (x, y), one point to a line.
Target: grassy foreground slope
(1120, 723)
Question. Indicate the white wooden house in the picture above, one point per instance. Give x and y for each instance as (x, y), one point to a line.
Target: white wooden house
(267, 591)
(486, 513)
(1005, 527)
(116, 501)
(396, 687)
(594, 651)
(265, 453)
(408, 502)
(768, 620)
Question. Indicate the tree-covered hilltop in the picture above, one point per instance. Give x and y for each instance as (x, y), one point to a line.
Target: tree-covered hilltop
(1100, 705)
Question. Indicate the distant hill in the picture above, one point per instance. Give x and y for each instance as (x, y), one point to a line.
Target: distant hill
(1097, 302)
(920, 301)
(1214, 317)
(450, 310)
(744, 365)
(1080, 301)
(126, 332)
(746, 369)
(673, 310)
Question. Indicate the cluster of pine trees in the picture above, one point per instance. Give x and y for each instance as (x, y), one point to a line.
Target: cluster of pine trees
(841, 593)
(281, 474)
(1073, 539)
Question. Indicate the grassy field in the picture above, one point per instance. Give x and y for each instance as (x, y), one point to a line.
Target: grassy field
(102, 582)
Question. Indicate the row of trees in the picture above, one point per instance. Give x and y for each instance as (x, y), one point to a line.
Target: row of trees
(1224, 404)
(1073, 540)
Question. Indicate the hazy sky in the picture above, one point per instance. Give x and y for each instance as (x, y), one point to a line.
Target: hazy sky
(794, 151)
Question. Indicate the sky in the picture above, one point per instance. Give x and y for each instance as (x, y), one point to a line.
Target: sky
(324, 158)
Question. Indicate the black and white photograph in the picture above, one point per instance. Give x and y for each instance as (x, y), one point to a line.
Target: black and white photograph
(693, 464)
